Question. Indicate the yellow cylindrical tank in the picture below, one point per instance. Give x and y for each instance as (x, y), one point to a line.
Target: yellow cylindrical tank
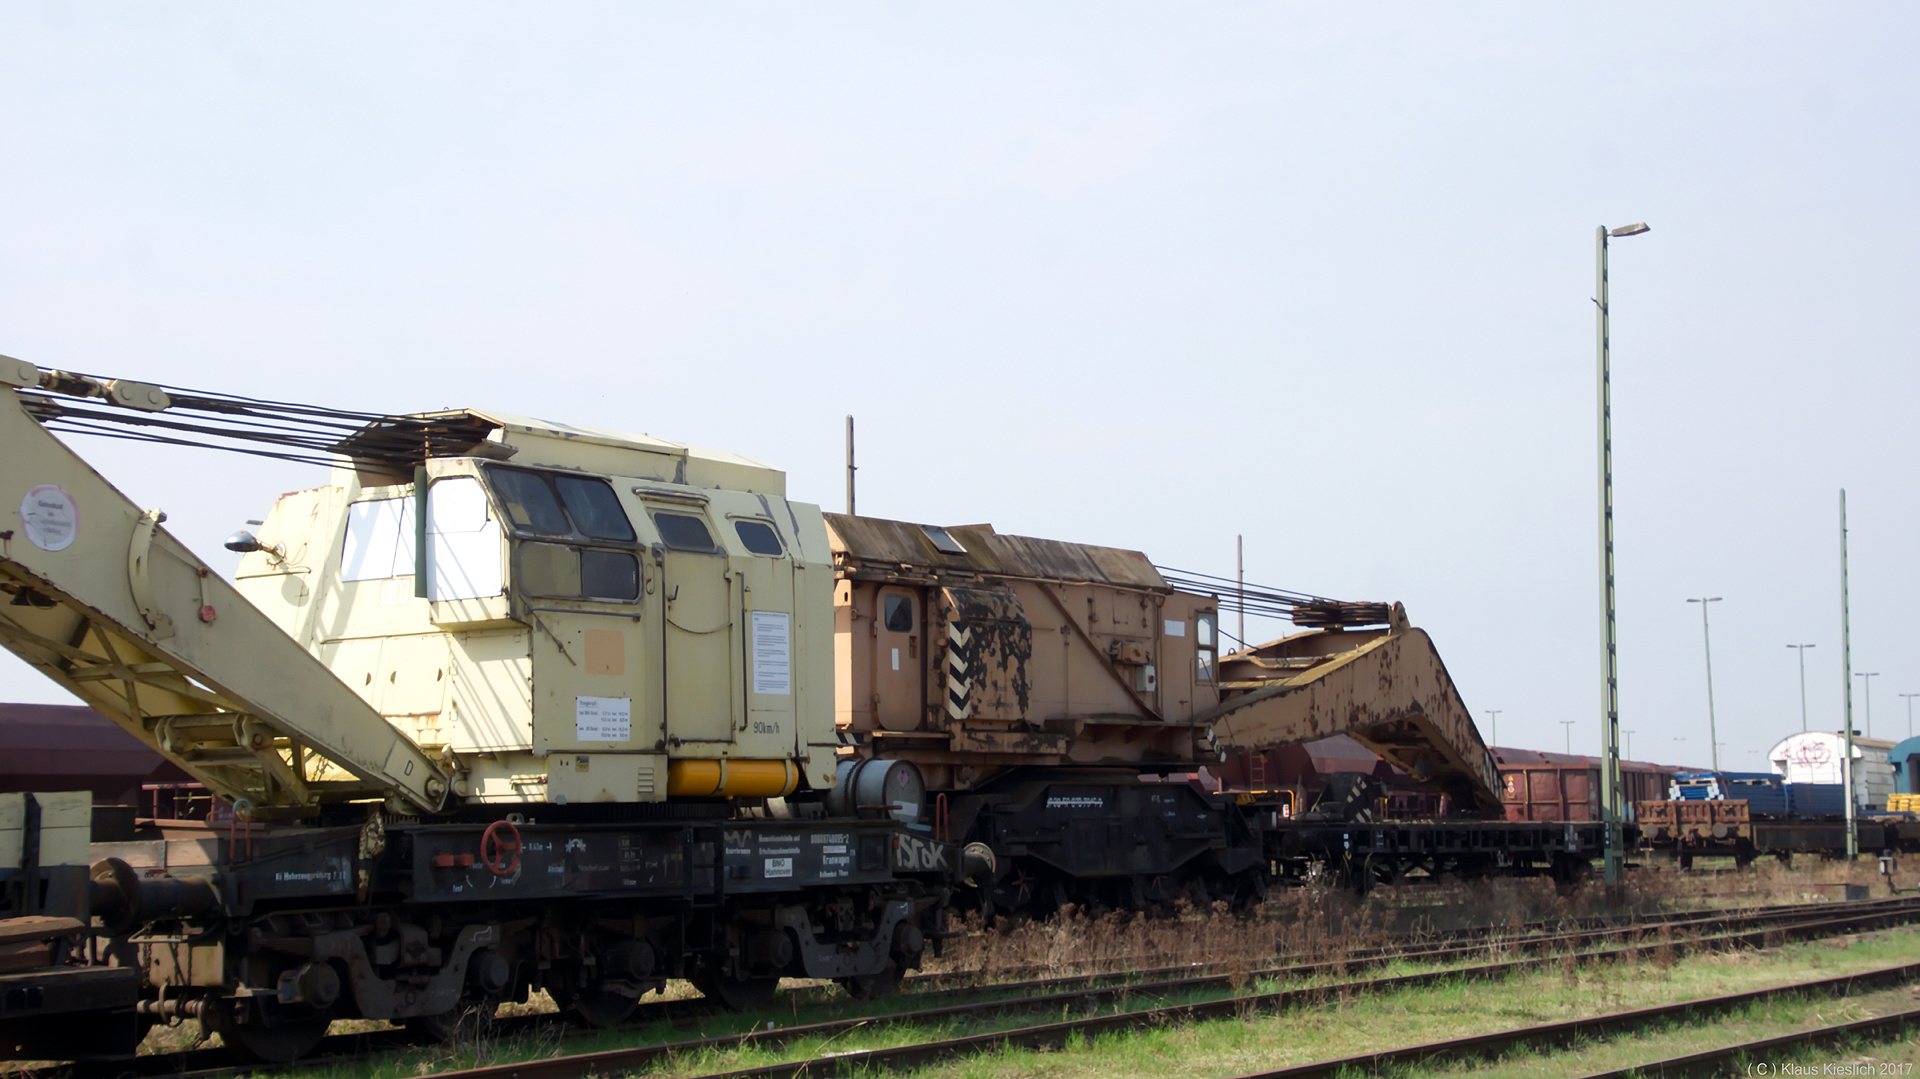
(731, 779)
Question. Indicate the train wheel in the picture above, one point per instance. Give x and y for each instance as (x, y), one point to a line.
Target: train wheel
(258, 1042)
(1023, 888)
(1249, 891)
(874, 986)
(594, 1006)
(738, 994)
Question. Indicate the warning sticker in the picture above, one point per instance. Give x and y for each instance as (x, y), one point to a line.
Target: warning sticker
(50, 518)
(603, 719)
(772, 668)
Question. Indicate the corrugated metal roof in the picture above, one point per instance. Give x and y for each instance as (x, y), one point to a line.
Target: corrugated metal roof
(903, 543)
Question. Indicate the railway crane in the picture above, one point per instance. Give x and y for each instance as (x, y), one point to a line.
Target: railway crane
(510, 705)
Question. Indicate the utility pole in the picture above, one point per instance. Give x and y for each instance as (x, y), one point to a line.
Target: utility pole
(1629, 735)
(1240, 572)
(1802, 649)
(1610, 792)
(1866, 688)
(850, 468)
(1910, 697)
(1568, 724)
(1493, 722)
(1846, 684)
(1712, 731)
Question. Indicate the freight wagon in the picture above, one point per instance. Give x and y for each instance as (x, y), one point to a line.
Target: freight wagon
(1543, 786)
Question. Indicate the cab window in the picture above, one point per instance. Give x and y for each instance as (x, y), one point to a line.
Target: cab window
(1205, 646)
(594, 507)
(559, 571)
(584, 512)
(530, 501)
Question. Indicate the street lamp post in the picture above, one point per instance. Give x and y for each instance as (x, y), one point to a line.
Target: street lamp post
(1493, 725)
(1568, 724)
(1846, 685)
(1866, 689)
(1712, 731)
(1610, 793)
(1802, 649)
(1629, 735)
(1910, 697)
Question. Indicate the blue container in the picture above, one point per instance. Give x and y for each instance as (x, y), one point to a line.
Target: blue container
(1816, 799)
(1764, 792)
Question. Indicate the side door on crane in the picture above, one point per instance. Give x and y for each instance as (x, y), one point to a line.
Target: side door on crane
(579, 585)
(701, 662)
(772, 635)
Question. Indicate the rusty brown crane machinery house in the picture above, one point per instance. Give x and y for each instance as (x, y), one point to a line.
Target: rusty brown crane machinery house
(540, 706)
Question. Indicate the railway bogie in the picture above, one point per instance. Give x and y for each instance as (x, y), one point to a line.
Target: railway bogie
(268, 938)
(1103, 840)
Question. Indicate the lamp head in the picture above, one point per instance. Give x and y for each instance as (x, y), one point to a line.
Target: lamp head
(1634, 229)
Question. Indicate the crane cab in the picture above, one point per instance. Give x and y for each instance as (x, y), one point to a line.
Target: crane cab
(568, 615)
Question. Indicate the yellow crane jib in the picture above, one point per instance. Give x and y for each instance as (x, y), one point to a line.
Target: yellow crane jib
(165, 647)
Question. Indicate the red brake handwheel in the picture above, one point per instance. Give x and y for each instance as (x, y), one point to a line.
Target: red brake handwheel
(500, 848)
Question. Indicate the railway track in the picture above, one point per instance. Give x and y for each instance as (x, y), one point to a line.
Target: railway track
(1566, 1034)
(1056, 1034)
(1401, 943)
(1115, 991)
(1894, 1024)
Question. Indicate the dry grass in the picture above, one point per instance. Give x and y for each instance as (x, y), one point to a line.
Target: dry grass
(1322, 924)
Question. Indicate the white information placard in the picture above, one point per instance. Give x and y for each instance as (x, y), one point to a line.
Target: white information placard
(50, 517)
(772, 662)
(1176, 628)
(603, 719)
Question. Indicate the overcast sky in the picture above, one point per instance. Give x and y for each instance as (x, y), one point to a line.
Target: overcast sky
(1143, 276)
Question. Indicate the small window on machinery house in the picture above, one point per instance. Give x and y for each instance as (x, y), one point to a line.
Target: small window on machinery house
(683, 532)
(897, 615)
(942, 541)
(1204, 646)
(758, 537)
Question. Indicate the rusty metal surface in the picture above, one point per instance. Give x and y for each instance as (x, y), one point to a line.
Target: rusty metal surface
(988, 642)
(905, 545)
(1127, 644)
(1546, 786)
(1388, 690)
